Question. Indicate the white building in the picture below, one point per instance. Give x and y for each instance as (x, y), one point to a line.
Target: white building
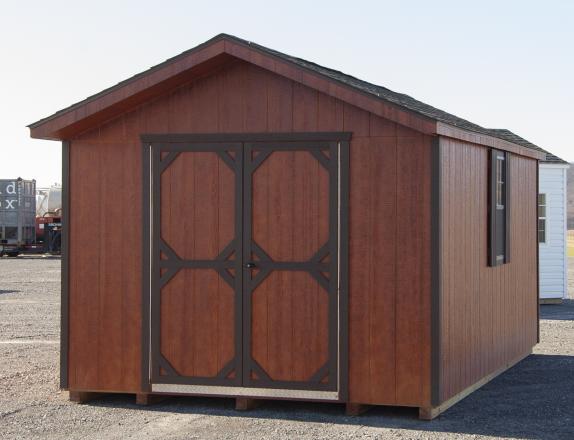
(552, 223)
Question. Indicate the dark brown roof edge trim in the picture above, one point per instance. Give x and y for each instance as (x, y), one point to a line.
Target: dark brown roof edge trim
(487, 141)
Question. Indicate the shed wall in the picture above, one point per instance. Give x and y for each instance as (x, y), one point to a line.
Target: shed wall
(488, 314)
(389, 229)
(553, 281)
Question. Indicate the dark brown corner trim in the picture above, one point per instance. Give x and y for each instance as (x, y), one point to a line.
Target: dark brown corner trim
(65, 262)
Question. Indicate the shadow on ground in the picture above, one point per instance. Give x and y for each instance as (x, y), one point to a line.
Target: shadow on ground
(8, 291)
(533, 400)
(561, 312)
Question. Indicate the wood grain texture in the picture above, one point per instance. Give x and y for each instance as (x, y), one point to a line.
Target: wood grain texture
(197, 319)
(488, 313)
(290, 206)
(197, 205)
(390, 267)
(290, 325)
(105, 292)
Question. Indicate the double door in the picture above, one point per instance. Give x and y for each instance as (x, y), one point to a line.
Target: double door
(244, 291)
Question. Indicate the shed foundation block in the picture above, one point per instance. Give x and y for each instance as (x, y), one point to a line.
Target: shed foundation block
(244, 404)
(145, 399)
(84, 396)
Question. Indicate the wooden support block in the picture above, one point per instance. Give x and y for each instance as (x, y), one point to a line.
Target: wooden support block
(83, 396)
(429, 413)
(356, 409)
(145, 399)
(244, 404)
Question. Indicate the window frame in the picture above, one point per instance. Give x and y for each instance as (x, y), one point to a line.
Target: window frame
(499, 208)
(543, 218)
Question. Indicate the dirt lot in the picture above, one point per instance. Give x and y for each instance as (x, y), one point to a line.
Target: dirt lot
(534, 400)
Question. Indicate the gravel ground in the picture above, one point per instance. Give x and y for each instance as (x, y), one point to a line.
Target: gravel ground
(533, 400)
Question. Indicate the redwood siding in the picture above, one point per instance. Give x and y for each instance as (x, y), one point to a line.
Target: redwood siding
(389, 216)
(488, 314)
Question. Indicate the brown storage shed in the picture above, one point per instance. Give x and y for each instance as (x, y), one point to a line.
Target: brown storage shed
(240, 222)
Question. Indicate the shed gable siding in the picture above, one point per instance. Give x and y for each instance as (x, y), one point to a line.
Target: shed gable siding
(552, 182)
(389, 229)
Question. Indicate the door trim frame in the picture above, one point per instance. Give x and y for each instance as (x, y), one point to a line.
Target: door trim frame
(342, 138)
(245, 137)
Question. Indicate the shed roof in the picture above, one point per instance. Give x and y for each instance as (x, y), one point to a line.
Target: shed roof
(215, 52)
(514, 138)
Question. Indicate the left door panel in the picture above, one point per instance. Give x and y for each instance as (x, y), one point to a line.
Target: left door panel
(196, 200)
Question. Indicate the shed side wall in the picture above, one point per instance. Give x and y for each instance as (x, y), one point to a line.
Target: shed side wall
(488, 314)
(389, 229)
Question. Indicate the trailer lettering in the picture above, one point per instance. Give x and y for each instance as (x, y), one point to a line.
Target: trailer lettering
(8, 203)
(11, 185)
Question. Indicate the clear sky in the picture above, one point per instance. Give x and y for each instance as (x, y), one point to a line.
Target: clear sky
(497, 63)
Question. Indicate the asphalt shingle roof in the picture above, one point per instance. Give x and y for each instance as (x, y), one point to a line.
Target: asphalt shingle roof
(514, 138)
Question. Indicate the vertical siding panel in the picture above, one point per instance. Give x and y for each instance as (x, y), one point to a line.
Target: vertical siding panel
(255, 111)
(373, 271)
(413, 165)
(383, 217)
(84, 268)
(360, 263)
(231, 99)
(329, 113)
(279, 104)
(110, 238)
(204, 116)
(379, 127)
(356, 120)
(304, 108)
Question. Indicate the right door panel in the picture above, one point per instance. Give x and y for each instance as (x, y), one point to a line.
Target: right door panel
(290, 255)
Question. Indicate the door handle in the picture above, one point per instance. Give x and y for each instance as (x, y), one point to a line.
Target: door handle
(250, 265)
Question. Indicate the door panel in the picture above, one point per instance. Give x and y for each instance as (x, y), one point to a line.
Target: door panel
(197, 314)
(290, 323)
(197, 205)
(196, 265)
(290, 310)
(290, 205)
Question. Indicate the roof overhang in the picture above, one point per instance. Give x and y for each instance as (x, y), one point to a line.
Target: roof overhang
(218, 53)
(543, 164)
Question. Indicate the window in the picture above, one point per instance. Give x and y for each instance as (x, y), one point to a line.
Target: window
(11, 232)
(541, 218)
(498, 209)
(500, 182)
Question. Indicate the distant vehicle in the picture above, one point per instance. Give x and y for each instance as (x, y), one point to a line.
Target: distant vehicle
(17, 215)
(49, 201)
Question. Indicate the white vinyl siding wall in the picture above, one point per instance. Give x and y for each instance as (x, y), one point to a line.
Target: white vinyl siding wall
(553, 263)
